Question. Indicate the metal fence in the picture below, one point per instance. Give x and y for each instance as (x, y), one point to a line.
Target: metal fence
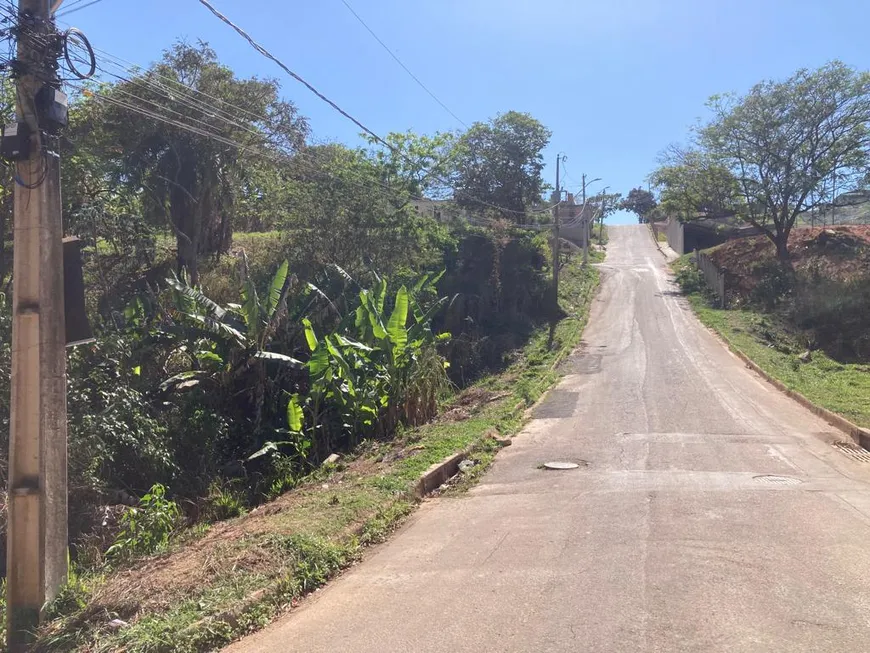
(714, 276)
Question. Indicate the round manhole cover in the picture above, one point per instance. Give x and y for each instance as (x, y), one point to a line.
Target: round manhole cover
(561, 465)
(777, 480)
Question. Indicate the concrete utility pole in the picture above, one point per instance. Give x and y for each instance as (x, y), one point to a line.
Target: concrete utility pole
(37, 526)
(584, 225)
(556, 230)
(601, 216)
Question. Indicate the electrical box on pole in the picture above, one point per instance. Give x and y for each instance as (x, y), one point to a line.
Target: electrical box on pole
(15, 145)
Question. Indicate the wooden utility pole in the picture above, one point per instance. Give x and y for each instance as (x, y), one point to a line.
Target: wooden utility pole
(37, 521)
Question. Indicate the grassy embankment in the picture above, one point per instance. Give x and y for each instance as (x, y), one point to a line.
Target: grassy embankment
(840, 387)
(222, 582)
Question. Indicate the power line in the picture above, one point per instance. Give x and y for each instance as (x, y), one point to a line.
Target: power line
(272, 157)
(73, 8)
(205, 129)
(186, 101)
(263, 51)
(404, 67)
(259, 48)
(130, 67)
(156, 116)
(297, 159)
(212, 111)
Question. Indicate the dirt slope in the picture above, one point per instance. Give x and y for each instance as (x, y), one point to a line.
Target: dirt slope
(841, 252)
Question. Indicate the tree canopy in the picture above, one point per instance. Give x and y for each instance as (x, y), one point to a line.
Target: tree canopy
(640, 202)
(498, 164)
(191, 182)
(692, 183)
(784, 139)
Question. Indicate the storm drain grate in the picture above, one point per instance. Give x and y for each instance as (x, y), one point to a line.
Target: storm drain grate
(853, 451)
(771, 479)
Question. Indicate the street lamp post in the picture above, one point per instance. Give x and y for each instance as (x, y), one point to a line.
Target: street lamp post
(584, 222)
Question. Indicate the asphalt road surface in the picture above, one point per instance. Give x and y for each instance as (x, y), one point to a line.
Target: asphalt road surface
(710, 513)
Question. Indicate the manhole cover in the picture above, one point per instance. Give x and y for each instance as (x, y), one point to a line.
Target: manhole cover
(560, 465)
(777, 480)
(853, 451)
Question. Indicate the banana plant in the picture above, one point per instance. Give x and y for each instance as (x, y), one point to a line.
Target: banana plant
(297, 441)
(344, 375)
(223, 338)
(406, 346)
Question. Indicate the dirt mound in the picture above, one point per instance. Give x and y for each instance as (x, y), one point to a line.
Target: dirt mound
(469, 403)
(840, 253)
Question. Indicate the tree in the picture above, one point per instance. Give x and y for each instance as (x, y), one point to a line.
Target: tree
(604, 204)
(498, 165)
(693, 183)
(783, 139)
(189, 181)
(640, 202)
(349, 217)
(417, 164)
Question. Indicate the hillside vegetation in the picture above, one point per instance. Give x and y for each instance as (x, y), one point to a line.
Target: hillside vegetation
(823, 295)
(261, 303)
(804, 325)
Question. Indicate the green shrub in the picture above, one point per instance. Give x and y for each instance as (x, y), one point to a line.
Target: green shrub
(690, 278)
(775, 284)
(500, 282)
(146, 528)
(314, 560)
(116, 438)
(835, 313)
(222, 503)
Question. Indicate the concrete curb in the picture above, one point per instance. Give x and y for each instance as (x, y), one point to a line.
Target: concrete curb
(859, 436)
(652, 232)
(668, 257)
(435, 476)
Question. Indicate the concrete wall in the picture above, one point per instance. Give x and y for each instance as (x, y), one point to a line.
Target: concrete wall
(676, 236)
(575, 233)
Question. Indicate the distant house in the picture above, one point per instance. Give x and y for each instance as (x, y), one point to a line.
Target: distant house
(440, 210)
(572, 217)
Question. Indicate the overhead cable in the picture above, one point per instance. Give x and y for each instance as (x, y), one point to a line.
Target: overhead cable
(259, 48)
(399, 61)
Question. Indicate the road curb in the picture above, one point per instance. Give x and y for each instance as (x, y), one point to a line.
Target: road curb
(652, 233)
(858, 435)
(438, 473)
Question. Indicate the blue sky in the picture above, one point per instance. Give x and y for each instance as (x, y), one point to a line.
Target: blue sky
(616, 82)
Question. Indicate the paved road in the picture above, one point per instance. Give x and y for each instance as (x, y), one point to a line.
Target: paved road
(714, 514)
